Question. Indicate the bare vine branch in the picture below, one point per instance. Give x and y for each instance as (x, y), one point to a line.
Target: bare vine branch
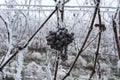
(56, 69)
(98, 46)
(114, 25)
(81, 50)
(6, 25)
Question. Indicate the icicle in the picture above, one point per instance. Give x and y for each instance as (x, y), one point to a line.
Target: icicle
(20, 57)
(118, 67)
(59, 4)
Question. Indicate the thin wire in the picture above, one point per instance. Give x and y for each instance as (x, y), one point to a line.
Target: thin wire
(92, 40)
(54, 6)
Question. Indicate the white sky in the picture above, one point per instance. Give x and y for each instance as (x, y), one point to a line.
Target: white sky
(111, 3)
(46, 2)
(51, 2)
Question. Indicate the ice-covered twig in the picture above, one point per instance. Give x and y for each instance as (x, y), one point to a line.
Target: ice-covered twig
(9, 41)
(19, 48)
(60, 12)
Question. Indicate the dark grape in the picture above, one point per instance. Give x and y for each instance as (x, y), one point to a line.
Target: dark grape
(49, 43)
(62, 28)
(72, 34)
(59, 39)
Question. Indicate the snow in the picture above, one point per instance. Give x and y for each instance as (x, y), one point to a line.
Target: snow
(84, 77)
(36, 55)
(105, 78)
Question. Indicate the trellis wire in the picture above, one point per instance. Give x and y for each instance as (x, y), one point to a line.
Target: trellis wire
(67, 8)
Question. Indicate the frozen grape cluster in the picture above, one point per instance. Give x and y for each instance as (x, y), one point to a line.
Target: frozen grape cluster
(59, 39)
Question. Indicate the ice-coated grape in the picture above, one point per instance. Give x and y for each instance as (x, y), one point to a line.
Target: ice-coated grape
(59, 39)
